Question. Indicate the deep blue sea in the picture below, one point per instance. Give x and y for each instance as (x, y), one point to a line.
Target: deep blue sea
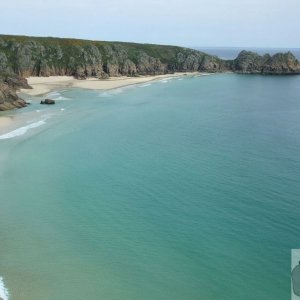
(179, 189)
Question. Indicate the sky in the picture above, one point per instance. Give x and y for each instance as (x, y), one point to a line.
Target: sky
(191, 23)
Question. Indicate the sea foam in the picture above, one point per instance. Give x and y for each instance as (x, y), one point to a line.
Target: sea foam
(166, 80)
(21, 130)
(53, 94)
(62, 98)
(3, 290)
(113, 92)
(144, 85)
(56, 96)
(105, 95)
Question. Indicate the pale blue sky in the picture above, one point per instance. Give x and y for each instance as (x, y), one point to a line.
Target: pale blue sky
(255, 23)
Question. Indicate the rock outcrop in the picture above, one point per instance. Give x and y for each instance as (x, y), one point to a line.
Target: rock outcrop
(8, 96)
(278, 64)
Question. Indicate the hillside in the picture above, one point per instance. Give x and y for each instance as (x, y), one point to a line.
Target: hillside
(33, 56)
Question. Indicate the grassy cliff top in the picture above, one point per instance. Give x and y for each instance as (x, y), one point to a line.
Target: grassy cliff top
(162, 52)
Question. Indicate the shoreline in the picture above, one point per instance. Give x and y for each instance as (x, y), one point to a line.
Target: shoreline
(44, 85)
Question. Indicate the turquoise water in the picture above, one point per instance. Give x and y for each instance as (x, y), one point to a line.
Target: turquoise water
(185, 189)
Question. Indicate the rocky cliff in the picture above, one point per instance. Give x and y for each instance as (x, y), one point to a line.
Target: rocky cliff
(22, 56)
(8, 97)
(31, 56)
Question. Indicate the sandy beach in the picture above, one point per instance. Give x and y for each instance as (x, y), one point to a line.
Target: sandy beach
(44, 85)
(5, 121)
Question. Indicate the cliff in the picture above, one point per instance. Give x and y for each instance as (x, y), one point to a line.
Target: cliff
(8, 97)
(22, 56)
(33, 56)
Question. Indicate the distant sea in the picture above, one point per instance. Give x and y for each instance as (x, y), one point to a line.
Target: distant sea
(178, 189)
(232, 52)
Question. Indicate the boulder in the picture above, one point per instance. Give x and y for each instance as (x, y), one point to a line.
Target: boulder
(48, 101)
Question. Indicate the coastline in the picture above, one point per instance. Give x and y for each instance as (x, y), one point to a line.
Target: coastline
(43, 85)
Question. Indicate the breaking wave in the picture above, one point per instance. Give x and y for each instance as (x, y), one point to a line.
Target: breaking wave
(144, 85)
(62, 98)
(3, 290)
(21, 130)
(56, 96)
(105, 95)
(53, 94)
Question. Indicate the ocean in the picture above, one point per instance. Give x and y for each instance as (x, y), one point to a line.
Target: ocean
(186, 188)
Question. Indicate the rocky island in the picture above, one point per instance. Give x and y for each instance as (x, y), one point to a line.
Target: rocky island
(22, 56)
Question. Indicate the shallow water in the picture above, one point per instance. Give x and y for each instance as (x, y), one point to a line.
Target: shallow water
(185, 189)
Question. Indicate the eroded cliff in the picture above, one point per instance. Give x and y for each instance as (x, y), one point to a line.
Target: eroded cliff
(8, 96)
(31, 56)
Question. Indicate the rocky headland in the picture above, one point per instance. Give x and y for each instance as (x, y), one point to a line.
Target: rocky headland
(9, 84)
(22, 56)
(249, 62)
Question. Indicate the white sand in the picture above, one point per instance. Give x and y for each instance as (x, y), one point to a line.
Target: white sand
(44, 85)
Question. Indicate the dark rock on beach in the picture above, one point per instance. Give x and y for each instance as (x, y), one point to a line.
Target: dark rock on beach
(48, 101)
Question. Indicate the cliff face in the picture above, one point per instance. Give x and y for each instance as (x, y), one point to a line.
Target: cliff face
(278, 64)
(8, 97)
(28, 56)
